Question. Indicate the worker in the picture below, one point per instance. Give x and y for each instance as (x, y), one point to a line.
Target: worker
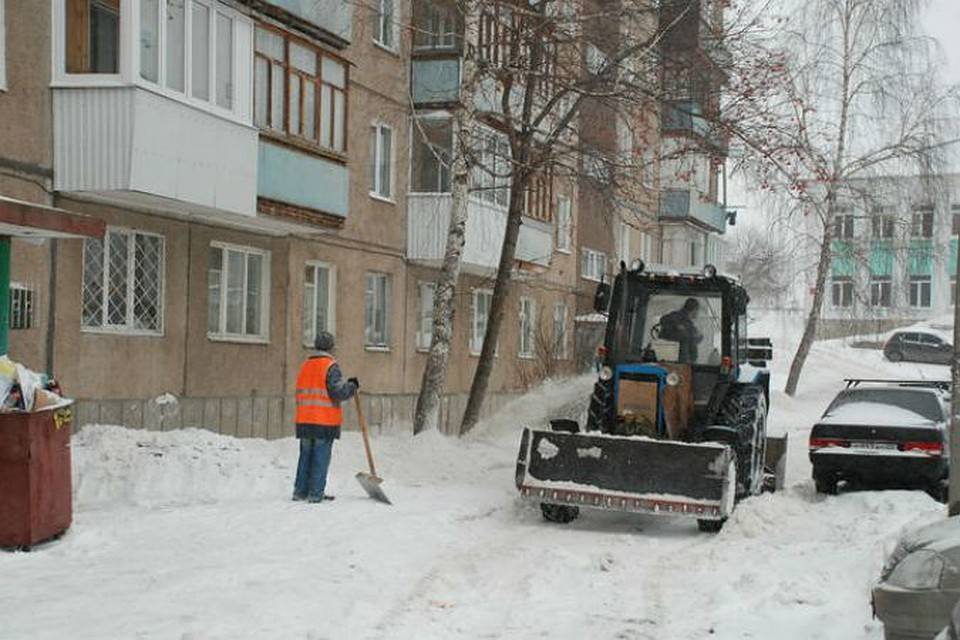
(320, 390)
(680, 326)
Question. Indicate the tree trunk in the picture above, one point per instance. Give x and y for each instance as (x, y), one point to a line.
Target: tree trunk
(813, 318)
(427, 413)
(954, 494)
(498, 303)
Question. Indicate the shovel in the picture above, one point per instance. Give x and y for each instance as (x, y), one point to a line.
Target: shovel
(369, 481)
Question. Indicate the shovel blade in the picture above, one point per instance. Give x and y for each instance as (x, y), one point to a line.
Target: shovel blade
(371, 484)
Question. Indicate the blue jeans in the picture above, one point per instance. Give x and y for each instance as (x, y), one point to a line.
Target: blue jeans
(312, 468)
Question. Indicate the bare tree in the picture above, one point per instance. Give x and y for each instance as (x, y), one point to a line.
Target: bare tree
(761, 258)
(849, 90)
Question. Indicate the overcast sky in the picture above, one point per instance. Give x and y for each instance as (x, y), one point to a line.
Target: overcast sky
(943, 22)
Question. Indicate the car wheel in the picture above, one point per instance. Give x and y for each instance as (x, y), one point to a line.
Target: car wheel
(826, 484)
(895, 356)
(710, 526)
(559, 513)
(939, 491)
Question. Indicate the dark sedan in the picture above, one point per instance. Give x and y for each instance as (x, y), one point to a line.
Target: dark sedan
(883, 433)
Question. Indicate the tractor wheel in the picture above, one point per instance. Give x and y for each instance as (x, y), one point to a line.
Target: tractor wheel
(600, 413)
(710, 526)
(561, 514)
(745, 409)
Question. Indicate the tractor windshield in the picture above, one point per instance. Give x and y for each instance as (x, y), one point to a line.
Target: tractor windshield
(681, 327)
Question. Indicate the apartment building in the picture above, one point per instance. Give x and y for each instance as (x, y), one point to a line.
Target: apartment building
(894, 253)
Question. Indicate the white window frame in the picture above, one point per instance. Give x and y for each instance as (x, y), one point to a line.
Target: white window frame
(3, 46)
(476, 322)
(838, 286)
(593, 264)
(375, 157)
(916, 286)
(425, 315)
(331, 300)
(381, 29)
(527, 343)
(560, 314)
(387, 302)
(564, 224)
(221, 335)
(877, 284)
(130, 64)
(127, 328)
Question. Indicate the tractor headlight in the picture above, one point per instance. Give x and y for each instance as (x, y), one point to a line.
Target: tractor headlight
(710, 271)
(637, 265)
(673, 378)
(606, 374)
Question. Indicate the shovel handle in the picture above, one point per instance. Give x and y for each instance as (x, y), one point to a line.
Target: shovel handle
(363, 431)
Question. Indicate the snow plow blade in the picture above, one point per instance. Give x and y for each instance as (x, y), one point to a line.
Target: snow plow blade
(627, 474)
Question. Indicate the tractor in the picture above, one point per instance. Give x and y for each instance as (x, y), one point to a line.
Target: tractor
(677, 420)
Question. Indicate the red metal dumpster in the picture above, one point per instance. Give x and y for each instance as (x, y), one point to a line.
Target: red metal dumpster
(35, 484)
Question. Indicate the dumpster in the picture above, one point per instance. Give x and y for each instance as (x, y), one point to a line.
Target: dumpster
(35, 484)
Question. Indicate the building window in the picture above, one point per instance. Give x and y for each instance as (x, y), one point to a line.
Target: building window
(920, 292)
(953, 292)
(694, 253)
(319, 300)
(842, 292)
(955, 210)
(560, 331)
(123, 282)
(528, 323)
(436, 26)
(490, 179)
(425, 293)
(922, 224)
(844, 226)
(646, 247)
(300, 90)
(593, 264)
(623, 241)
(482, 299)
(538, 197)
(431, 155)
(377, 330)
(385, 28)
(238, 288)
(21, 306)
(883, 226)
(166, 54)
(381, 160)
(880, 291)
(93, 36)
(564, 224)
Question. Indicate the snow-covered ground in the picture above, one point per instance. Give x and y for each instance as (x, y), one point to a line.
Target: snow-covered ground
(192, 535)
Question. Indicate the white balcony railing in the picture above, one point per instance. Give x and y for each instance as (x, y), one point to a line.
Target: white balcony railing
(428, 217)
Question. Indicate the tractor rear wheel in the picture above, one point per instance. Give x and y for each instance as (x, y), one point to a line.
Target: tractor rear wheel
(559, 513)
(745, 410)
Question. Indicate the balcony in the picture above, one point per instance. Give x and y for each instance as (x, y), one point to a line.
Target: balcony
(687, 206)
(428, 217)
(302, 180)
(435, 81)
(335, 17)
(131, 145)
(685, 117)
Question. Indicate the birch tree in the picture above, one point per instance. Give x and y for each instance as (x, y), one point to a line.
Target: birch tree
(835, 91)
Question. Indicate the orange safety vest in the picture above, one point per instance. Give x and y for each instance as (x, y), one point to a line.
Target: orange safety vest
(314, 404)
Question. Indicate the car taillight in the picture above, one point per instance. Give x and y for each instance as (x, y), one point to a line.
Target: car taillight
(823, 443)
(932, 448)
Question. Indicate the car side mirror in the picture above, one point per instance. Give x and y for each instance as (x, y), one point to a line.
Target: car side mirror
(601, 299)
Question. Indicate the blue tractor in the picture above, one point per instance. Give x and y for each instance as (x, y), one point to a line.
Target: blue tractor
(677, 423)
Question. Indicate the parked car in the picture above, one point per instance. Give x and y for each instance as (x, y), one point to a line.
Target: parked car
(920, 584)
(879, 432)
(918, 346)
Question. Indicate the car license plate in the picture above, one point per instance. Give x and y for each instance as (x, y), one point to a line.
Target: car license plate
(875, 445)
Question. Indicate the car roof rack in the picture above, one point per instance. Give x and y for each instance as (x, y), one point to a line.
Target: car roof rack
(942, 385)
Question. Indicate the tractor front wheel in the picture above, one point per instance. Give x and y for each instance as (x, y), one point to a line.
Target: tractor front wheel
(561, 514)
(710, 526)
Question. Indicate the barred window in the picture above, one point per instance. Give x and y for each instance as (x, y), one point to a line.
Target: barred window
(123, 282)
(21, 306)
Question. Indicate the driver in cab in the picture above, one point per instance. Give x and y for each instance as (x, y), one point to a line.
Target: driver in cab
(680, 326)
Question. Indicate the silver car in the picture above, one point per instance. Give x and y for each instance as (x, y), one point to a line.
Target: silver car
(920, 583)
